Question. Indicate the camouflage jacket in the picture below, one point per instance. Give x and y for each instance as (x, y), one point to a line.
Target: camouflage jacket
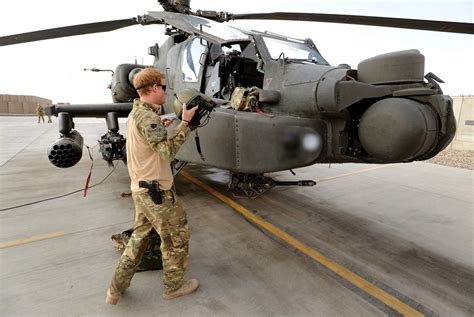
(149, 147)
(39, 110)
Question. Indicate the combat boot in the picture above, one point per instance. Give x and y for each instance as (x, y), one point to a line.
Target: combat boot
(188, 287)
(112, 299)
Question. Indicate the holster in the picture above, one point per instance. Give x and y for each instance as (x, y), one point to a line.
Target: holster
(154, 190)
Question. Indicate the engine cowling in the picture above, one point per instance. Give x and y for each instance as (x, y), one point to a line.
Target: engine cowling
(398, 129)
(122, 82)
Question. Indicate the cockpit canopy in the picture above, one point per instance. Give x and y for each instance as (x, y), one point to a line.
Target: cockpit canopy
(272, 46)
(291, 49)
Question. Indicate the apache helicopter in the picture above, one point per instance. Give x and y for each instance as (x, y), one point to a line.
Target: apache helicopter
(306, 111)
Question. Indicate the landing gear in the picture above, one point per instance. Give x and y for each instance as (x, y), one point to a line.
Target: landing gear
(255, 185)
(251, 185)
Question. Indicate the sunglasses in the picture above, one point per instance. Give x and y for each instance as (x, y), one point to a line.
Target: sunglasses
(162, 86)
(157, 85)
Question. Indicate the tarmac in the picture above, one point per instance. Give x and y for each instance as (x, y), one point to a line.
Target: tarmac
(368, 240)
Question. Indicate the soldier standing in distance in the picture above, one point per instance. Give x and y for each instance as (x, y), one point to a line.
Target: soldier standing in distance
(149, 153)
(40, 112)
(49, 115)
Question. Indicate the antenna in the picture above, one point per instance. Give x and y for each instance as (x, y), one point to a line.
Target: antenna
(96, 70)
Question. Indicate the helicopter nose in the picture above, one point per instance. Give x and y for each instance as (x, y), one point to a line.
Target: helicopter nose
(398, 129)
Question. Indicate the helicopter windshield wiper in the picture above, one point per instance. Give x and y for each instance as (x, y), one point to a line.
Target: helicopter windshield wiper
(301, 61)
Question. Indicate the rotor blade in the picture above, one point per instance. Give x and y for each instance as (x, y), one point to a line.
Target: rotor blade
(427, 25)
(67, 31)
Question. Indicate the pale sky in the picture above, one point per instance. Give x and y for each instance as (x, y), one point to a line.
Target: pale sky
(53, 69)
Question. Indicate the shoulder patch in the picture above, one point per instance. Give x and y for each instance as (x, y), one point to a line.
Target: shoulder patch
(155, 132)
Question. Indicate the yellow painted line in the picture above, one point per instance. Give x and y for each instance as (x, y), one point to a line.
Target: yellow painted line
(348, 275)
(44, 236)
(353, 173)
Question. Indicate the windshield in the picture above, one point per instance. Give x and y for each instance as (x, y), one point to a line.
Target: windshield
(290, 49)
(191, 59)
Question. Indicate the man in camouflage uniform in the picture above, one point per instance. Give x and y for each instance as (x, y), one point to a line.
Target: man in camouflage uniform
(49, 114)
(149, 152)
(40, 112)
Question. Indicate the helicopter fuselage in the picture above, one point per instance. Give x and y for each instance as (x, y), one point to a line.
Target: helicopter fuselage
(308, 111)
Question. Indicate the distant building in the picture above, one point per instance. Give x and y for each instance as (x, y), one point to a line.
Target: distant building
(20, 105)
(464, 113)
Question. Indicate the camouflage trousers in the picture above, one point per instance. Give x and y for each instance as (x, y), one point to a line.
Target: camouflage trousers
(169, 221)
